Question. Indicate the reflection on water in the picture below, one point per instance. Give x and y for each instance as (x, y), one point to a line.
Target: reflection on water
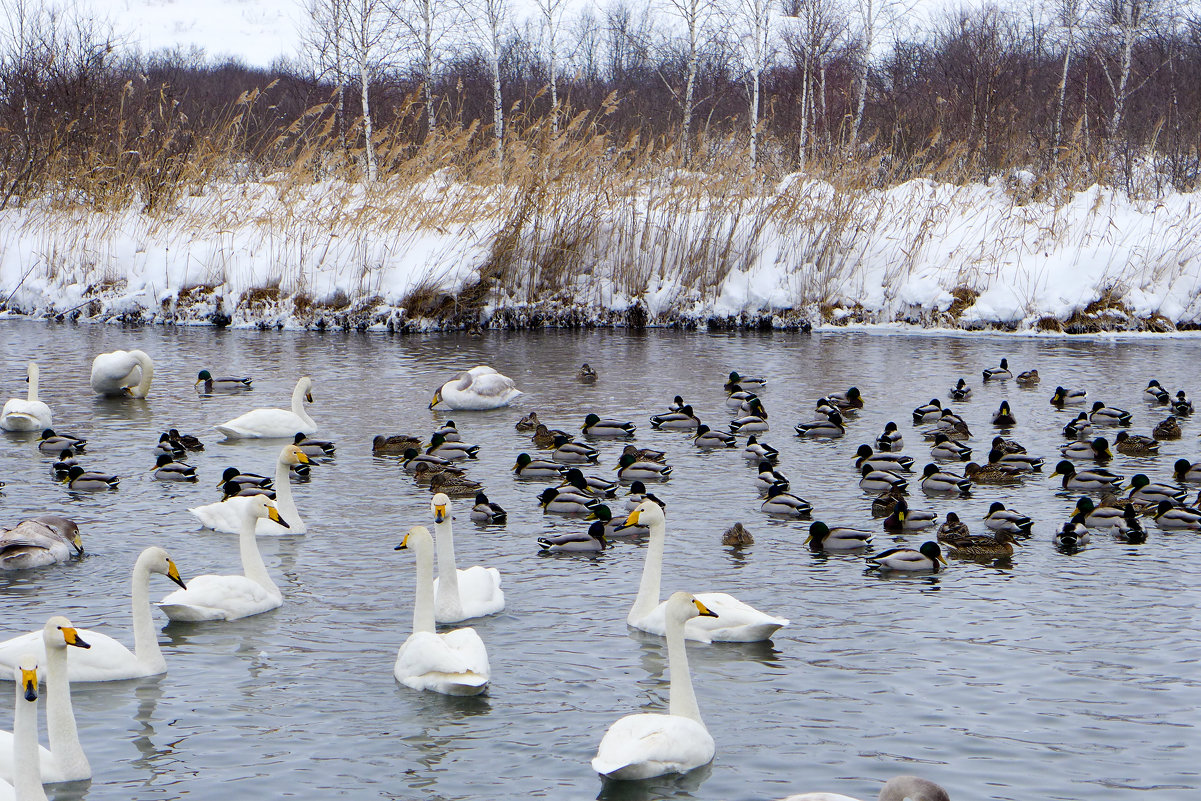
(1081, 664)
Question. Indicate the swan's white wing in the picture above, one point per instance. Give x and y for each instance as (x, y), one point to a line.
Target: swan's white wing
(219, 598)
(483, 369)
(646, 745)
(493, 385)
(226, 516)
(24, 415)
(266, 424)
(480, 592)
(51, 772)
(455, 663)
(820, 797)
(735, 621)
(106, 659)
(113, 372)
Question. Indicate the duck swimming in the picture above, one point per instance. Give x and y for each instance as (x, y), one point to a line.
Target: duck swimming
(1108, 416)
(1068, 397)
(998, 373)
(927, 557)
(961, 391)
(1097, 479)
(890, 440)
(1135, 445)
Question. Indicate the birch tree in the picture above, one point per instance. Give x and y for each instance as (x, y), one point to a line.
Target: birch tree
(326, 39)
(369, 44)
(816, 27)
(755, 16)
(1068, 16)
(427, 24)
(1127, 21)
(551, 17)
(487, 19)
(697, 17)
(868, 13)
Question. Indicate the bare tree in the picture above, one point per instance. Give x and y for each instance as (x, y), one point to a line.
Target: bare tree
(488, 18)
(551, 12)
(755, 18)
(1127, 21)
(817, 26)
(427, 23)
(1068, 16)
(370, 43)
(697, 16)
(326, 41)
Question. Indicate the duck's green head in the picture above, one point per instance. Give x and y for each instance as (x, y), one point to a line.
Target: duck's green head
(997, 506)
(1181, 468)
(817, 533)
(436, 440)
(204, 377)
(929, 470)
(734, 378)
(411, 454)
(1064, 468)
(625, 461)
(1084, 506)
(1163, 508)
(600, 512)
(1139, 481)
(575, 478)
(995, 456)
(1101, 447)
(590, 420)
(522, 460)
(931, 551)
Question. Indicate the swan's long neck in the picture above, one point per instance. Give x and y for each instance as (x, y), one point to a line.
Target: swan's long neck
(33, 382)
(144, 362)
(680, 695)
(448, 575)
(283, 494)
(60, 716)
(27, 778)
(423, 606)
(298, 405)
(145, 638)
(652, 570)
(252, 560)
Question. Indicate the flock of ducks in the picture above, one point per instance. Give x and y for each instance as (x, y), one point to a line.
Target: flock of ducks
(455, 661)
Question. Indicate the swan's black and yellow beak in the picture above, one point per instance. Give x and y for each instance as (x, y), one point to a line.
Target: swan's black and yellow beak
(29, 680)
(71, 637)
(308, 397)
(173, 574)
(273, 514)
(440, 514)
(631, 521)
(437, 398)
(404, 544)
(77, 542)
(303, 457)
(704, 610)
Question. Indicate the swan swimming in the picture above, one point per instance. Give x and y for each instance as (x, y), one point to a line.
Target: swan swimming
(27, 784)
(460, 594)
(275, 423)
(29, 413)
(226, 515)
(475, 390)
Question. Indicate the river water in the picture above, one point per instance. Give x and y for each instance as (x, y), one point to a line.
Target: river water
(1054, 677)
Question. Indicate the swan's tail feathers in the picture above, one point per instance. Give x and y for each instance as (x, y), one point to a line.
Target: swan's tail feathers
(187, 613)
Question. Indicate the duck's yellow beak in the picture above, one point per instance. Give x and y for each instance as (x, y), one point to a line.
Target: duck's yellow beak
(704, 610)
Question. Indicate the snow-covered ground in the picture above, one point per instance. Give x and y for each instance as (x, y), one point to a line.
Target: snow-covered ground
(278, 253)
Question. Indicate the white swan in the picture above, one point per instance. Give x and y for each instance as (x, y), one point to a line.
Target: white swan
(275, 423)
(477, 389)
(898, 788)
(232, 597)
(122, 372)
(454, 662)
(27, 784)
(647, 745)
(107, 659)
(460, 594)
(38, 542)
(227, 515)
(735, 621)
(65, 760)
(28, 414)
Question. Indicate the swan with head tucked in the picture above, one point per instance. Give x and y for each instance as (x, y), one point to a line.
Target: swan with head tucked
(122, 372)
(275, 423)
(735, 620)
(107, 659)
(460, 594)
(646, 745)
(27, 783)
(453, 662)
(65, 760)
(210, 597)
(27, 414)
(898, 788)
(226, 515)
(475, 390)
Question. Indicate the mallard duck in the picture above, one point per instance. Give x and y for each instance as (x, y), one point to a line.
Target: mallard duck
(629, 469)
(738, 396)
(79, 479)
(1155, 393)
(638, 494)
(928, 413)
(1028, 378)
(769, 477)
(1074, 534)
(1096, 479)
(615, 527)
(708, 439)
(850, 399)
(570, 452)
(950, 424)
(186, 441)
(736, 536)
(884, 503)
(1068, 397)
(313, 447)
(1143, 490)
(891, 440)
(882, 461)
(394, 444)
(66, 460)
(1021, 461)
(1003, 417)
(443, 449)
(545, 437)
(677, 404)
(998, 373)
(1130, 529)
(566, 502)
(936, 481)
(49, 442)
(874, 480)
(682, 420)
(1007, 445)
(209, 384)
(527, 423)
(478, 388)
(1174, 518)
(168, 448)
(456, 486)
(413, 457)
(756, 451)
(529, 467)
(167, 469)
(1098, 516)
(448, 431)
(755, 422)
(1181, 405)
(824, 409)
(992, 473)
(1098, 450)
(586, 374)
(952, 529)
(232, 489)
(594, 426)
(961, 391)
(485, 511)
(1135, 445)
(1184, 470)
(1103, 415)
(1169, 428)
(947, 448)
(981, 547)
(589, 485)
(830, 428)
(589, 541)
(644, 454)
(905, 519)
(1080, 428)
(927, 557)
(840, 538)
(424, 472)
(243, 479)
(1001, 519)
(745, 381)
(782, 502)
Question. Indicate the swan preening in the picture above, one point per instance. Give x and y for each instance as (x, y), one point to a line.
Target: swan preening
(647, 745)
(39, 541)
(107, 659)
(29, 413)
(232, 597)
(27, 784)
(65, 760)
(734, 620)
(122, 372)
(460, 594)
(275, 423)
(227, 516)
(454, 662)
(477, 389)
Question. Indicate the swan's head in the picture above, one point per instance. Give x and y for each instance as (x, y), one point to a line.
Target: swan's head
(59, 633)
(292, 455)
(648, 513)
(261, 506)
(437, 397)
(26, 672)
(156, 560)
(440, 504)
(306, 384)
(417, 537)
(682, 606)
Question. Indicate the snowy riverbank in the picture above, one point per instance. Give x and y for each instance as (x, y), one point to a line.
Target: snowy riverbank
(667, 251)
